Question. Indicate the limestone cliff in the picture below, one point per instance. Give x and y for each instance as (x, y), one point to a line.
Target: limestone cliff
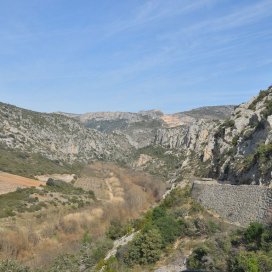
(242, 146)
(237, 150)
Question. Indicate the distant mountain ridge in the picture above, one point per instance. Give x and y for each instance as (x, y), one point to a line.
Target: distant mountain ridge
(209, 113)
(70, 137)
(141, 127)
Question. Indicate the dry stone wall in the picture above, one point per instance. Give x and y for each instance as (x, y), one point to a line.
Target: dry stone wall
(240, 204)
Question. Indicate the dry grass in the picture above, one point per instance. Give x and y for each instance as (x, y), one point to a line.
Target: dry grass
(37, 238)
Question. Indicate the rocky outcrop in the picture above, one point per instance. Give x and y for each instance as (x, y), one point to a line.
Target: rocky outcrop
(242, 150)
(238, 149)
(194, 137)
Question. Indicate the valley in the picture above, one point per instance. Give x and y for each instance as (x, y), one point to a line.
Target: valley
(52, 219)
(73, 186)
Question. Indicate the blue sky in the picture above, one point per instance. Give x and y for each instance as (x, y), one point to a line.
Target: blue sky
(128, 55)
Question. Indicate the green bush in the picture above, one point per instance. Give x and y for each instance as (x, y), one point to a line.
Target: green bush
(144, 249)
(158, 213)
(268, 109)
(253, 233)
(198, 260)
(244, 262)
(92, 252)
(67, 189)
(176, 197)
(229, 123)
(266, 239)
(169, 228)
(235, 140)
(264, 151)
(117, 230)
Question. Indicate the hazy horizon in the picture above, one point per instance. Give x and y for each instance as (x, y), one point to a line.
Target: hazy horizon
(90, 56)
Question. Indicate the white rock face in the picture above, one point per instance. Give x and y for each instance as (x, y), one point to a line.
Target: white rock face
(228, 148)
(196, 137)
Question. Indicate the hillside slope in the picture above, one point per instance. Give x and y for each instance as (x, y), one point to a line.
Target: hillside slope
(57, 137)
(242, 146)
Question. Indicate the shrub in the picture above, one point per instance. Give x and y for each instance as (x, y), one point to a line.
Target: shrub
(144, 249)
(264, 262)
(235, 140)
(117, 230)
(67, 188)
(94, 253)
(264, 151)
(244, 262)
(15, 201)
(229, 123)
(266, 239)
(254, 233)
(268, 109)
(169, 228)
(29, 165)
(158, 213)
(176, 197)
(197, 259)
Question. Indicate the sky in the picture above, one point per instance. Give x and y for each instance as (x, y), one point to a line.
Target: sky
(130, 55)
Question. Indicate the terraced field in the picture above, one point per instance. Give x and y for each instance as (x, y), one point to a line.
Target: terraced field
(111, 183)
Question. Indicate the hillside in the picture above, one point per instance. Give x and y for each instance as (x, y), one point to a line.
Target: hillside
(236, 150)
(242, 149)
(56, 137)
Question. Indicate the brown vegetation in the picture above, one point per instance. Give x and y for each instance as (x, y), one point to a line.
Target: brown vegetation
(37, 238)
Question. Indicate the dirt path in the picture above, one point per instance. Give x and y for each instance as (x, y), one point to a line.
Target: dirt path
(109, 190)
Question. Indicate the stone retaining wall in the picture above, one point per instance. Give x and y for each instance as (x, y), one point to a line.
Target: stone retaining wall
(238, 204)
